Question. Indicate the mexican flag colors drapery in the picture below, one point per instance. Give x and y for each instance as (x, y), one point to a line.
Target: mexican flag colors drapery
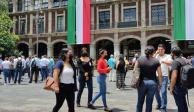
(78, 22)
(183, 19)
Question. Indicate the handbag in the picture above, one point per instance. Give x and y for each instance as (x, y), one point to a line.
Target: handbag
(135, 81)
(49, 84)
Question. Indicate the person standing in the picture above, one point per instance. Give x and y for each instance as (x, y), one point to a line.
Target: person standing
(102, 69)
(44, 62)
(34, 69)
(165, 61)
(51, 66)
(85, 67)
(112, 64)
(6, 70)
(19, 71)
(120, 71)
(148, 66)
(65, 81)
(176, 88)
(12, 69)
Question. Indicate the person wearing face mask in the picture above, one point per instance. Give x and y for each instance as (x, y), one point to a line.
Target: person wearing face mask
(65, 80)
(85, 67)
(103, 70)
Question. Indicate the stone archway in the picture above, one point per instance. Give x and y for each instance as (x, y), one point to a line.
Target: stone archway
(42, 49)
(104, 44)
(57, 47)
(155, 41)
(24, 48)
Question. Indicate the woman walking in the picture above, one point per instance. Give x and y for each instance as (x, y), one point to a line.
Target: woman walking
(103, 69)
(120, 70)
(85, 77)
(148, 80)
(65, 81)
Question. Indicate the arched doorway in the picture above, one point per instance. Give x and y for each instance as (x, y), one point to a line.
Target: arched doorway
(57, 47)
(130, 46)
(160, 40)
(42, 49)
(104, 44)
(24, 48)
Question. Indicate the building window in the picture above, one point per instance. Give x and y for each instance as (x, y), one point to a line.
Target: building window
(60, 23)
(56, 3)
(36, 4)
(44, 3)
(41, 25)
(104, 19)
(158, 15)
(22, 26)
(20, 5)
(10, 6)
(27, 5)
(129, 18)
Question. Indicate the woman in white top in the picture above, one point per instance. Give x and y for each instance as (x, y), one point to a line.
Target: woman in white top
(65, 81)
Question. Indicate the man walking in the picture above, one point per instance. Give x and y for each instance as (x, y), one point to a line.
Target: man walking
(112, 64)
(165, 61)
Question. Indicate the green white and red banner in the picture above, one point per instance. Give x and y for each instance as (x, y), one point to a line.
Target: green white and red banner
(184, 19)
(79, 22)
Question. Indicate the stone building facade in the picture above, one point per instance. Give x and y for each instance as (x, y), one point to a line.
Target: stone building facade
(120, 26)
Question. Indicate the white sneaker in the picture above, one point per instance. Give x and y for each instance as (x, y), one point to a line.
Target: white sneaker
(117, 89)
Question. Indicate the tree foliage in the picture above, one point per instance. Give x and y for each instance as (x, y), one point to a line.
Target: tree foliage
(7, 39)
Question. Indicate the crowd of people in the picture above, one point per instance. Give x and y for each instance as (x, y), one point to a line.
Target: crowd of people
(158, 72)
(14, 68)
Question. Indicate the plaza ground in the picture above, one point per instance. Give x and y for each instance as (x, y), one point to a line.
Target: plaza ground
(32, 98)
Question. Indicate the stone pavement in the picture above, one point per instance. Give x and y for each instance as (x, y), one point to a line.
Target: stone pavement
(32, 98)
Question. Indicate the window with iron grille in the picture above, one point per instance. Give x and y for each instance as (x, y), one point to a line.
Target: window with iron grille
(22, 26)
(60, 23)
(27, 4)
(104, 19)
(41, 25)
(158, 15)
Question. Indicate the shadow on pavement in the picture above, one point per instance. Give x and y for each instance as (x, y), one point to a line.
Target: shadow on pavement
(117, 110)
(172, 110)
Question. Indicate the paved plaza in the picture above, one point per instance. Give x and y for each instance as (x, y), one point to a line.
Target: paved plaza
(32, 98)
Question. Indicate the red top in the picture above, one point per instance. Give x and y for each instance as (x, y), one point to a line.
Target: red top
(102, 66)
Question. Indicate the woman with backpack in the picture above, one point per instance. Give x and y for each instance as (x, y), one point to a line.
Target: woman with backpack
(65, 81)
(120, 71)
(148, 65)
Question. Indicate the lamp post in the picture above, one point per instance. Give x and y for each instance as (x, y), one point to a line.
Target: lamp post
(37, 22)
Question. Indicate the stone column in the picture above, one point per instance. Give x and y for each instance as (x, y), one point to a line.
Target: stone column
(116, 14)
(31, 49)
(49, 46)
(143, 42)
(92, 48)
(31, 23)
(92, 18)
(143, 13)
(50, 22)
(116, 44)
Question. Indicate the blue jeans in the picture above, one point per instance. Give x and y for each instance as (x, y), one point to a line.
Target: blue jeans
(82, 83)
(19, 72)
(147, 89)
(6, 73)
(44, 72)
(162, 100)
(180, 99)
(101, 79)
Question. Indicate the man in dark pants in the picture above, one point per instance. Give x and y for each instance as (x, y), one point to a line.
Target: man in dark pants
(34, 69)
(19, 71)
(176, 89)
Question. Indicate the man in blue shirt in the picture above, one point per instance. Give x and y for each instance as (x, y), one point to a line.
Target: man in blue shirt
(112, 64)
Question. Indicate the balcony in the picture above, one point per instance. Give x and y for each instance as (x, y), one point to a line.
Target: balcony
(127, 24)
(59, 4)
(104, 25)
(60, 30)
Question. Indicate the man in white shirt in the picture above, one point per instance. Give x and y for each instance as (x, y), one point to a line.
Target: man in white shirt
(6, 70)
(165, 61)
(44, 62)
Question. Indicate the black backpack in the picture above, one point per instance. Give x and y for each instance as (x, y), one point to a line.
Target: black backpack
(19, 64)
(186, 74)
(33, 65)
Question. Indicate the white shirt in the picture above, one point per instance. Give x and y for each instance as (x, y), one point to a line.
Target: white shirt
(6, 64)
(44, 62)
(66, 76)
(164, 67)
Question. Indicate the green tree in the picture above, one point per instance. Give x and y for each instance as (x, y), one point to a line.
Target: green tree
(7, 39)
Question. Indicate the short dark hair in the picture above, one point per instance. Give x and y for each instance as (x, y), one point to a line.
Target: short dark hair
(162, 45)
(176, 51)
(149, 51)
(101, 51)
(63, 53)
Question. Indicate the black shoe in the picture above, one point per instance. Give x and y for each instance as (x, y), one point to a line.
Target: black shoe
(91, 106)
(163, 110)
(78, 105)
(107, 109)
(157, 107)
